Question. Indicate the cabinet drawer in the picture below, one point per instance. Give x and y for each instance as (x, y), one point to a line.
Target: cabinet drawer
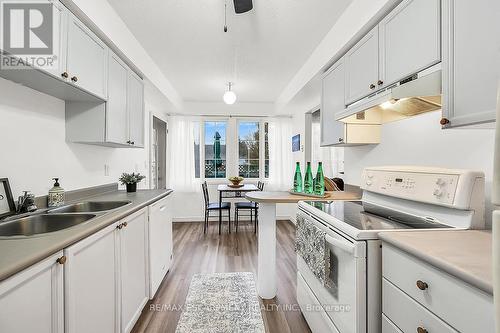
(407, 314)
(316, 317)
(388, 326)
(465, 308)
(159, 206)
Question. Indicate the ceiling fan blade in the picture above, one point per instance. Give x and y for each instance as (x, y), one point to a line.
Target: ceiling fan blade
(242, 6)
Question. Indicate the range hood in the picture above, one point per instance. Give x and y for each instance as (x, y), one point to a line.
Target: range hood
(414, 95)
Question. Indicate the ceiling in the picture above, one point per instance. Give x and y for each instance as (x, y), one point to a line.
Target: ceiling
(260, 53)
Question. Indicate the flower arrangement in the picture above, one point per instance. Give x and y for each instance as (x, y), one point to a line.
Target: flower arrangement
(130, 180)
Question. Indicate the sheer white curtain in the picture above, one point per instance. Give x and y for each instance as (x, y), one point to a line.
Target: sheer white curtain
(281, 164)
(181, 155)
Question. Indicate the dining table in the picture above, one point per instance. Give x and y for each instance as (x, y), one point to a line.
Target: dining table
(231, 191)
(266, 244)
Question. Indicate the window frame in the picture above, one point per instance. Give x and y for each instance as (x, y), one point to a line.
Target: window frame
(232, 146)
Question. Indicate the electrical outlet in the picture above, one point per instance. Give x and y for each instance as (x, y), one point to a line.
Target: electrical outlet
(106, 170)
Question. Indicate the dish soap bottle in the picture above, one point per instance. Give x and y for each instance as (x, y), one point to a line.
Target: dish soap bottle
(56, 195)
(297, 179)
(319, 181)
(308, 180)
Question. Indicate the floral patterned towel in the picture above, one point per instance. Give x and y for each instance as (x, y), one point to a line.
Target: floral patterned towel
(310, 244)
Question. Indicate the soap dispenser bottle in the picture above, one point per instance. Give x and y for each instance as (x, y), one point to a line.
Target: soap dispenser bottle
(56, 194)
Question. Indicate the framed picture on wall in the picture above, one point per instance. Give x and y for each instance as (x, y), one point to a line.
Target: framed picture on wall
(7, 206)
(296, 143)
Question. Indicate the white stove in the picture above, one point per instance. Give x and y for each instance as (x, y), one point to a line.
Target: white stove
(394, 199)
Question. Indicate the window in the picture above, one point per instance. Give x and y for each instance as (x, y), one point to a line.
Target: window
(248, 149)
(215, 149)
(223, 148)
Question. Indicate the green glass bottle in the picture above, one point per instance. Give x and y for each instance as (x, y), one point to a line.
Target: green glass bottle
(308, 180)
(297, 179)
(319, 181)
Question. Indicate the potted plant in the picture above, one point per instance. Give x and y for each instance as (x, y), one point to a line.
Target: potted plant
(130, 180)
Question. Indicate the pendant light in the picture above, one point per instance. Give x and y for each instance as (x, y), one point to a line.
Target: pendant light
(229, 96)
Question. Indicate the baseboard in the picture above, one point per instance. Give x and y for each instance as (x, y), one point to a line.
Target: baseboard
(201, 219)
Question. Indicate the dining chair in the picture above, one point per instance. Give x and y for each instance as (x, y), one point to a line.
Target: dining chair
(214, 207)
(252, 207)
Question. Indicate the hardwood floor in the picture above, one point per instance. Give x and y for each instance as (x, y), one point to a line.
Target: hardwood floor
(195, 252)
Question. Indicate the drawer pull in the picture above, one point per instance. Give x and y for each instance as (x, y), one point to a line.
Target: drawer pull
(421, 330)
(422, 285)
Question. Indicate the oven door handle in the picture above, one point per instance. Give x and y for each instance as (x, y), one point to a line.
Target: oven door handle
(346, 246)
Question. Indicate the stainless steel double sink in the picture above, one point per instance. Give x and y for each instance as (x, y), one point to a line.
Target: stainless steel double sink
(56, 219)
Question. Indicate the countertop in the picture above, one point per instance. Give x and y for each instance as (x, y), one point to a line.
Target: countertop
(465, 254)
(20, 253)
(285, 197)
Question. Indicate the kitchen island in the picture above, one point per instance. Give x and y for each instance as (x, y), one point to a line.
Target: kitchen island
(266, 267)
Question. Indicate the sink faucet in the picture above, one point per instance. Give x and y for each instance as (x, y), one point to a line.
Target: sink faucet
(26, 203)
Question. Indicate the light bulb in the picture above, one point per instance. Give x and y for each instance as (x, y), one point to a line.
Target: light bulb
(229, 97)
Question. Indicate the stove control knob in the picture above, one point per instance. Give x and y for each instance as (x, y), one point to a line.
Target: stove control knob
(369, 182)
(438, 193)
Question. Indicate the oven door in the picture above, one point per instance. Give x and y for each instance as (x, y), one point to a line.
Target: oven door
(344, 301)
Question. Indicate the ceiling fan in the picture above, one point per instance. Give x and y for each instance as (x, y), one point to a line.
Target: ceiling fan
(242, 6)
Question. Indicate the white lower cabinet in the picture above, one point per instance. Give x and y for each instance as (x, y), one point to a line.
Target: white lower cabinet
(90, 283)
(437, 301)
(106, 277)
(99, 284)
(32, 300)
(134, 268)
(160, 242)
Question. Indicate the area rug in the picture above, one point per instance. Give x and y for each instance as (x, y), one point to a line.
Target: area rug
(222, 303)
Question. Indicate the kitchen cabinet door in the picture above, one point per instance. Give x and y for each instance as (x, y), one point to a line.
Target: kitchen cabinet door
(160, 242)
(471, 61)
(32, 300)
(136, 110)
(116, 106)
(134, 268)
(361, 65)
(332, 101)
(91, 283)
(86, 59)
(406, 45)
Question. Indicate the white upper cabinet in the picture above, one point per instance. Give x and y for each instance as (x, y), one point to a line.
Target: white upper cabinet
(361, 63)
(134, 268)
(410, 39)
(332, 101)
(32, 300)
(471, 61)
(60, 26)
(136, 110)
(87, 58)
(91, 277)
(116, 106)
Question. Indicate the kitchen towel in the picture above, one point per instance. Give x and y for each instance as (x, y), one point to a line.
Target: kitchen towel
(310, 244)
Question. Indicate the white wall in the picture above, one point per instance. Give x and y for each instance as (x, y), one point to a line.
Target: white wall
(34, 150)
(421, 141)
